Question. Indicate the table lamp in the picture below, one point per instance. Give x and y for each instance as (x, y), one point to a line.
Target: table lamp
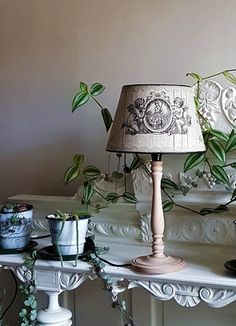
(156, 119)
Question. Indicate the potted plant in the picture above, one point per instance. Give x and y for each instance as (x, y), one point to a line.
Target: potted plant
(15, 225)
(68, 232)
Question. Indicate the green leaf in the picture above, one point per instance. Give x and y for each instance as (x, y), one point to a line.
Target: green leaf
(167, 205)
(88, 193)
(219, 173)
(217, 150)
(205, 211)
(221, 209)
(196, 102)
(113, 197)
(107, 118)
(96, 89)
(80, 99)
(136, 163)
(78, 159)
(220, 135)
(71, 173)
(193, 160)
(33, 314)
(117, 175)
(83, 87)
(229, 77)
(23, 313)
(129, 198)
(197, 77)
(231, 144)
(91, 171)
(168, 184)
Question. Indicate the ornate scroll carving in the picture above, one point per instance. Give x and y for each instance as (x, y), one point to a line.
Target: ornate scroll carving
(23, 273)
(187, 295)
(116, 230)
(71, 281)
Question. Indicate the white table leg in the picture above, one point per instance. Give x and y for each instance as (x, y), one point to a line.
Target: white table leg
(54, 315)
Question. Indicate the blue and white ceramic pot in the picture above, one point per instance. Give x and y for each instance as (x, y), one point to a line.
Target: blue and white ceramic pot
(15, 226)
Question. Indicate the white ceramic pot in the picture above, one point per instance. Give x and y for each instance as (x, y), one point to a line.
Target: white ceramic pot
(16, 226)
(67, 240)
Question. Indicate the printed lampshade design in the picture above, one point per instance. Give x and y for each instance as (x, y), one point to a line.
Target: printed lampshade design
(156, 119)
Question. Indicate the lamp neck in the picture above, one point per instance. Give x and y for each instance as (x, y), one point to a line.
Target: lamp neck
(156, 156)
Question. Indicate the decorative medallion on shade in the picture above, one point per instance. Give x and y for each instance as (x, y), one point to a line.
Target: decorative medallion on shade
(156, 119)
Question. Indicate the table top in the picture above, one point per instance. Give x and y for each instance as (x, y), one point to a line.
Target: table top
(204, 263)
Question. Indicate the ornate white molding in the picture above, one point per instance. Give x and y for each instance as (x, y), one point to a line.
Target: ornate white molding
(117, 230)
(187, 295)
(69, 281)
(218, 105)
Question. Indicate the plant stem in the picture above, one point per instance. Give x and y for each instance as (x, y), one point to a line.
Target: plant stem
(77, 240)
(218, 73)
(96, 101)
(177, 205)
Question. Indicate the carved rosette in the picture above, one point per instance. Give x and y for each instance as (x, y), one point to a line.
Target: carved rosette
(187, 295)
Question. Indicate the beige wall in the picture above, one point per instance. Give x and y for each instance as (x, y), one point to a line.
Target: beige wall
(48, 46)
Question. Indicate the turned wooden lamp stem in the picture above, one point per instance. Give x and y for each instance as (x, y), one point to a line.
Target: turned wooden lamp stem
(157, 216)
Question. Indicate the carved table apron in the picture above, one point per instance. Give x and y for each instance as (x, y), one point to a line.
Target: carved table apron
(204, 277)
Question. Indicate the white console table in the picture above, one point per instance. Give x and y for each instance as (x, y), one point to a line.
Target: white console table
(205, 243)
(203, 279)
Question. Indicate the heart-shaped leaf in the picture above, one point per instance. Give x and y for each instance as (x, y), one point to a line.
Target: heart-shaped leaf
(193, 160)
(80, 99)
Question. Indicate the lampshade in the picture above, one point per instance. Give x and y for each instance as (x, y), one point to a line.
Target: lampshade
(156, 119)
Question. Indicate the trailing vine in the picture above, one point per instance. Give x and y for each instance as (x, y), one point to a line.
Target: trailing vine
(28, 313)
(212, 165)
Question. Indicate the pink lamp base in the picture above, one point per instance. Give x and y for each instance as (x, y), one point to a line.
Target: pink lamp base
(157, 265)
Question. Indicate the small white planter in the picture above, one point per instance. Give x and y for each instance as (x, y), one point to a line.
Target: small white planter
(67, 240)
(16, 226)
